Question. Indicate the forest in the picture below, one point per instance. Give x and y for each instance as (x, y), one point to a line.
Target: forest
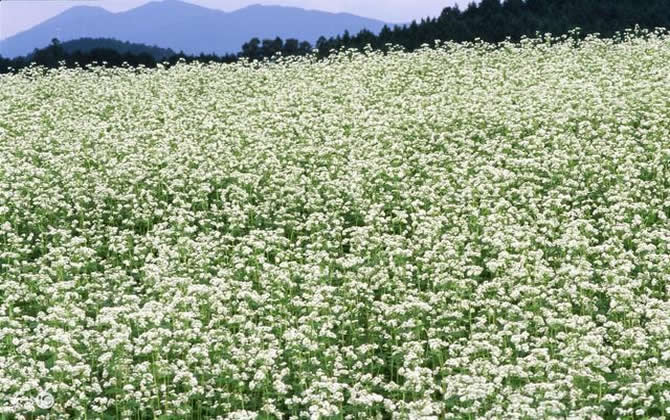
(488, 20)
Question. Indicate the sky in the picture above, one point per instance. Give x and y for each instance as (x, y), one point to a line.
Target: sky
(19, 15)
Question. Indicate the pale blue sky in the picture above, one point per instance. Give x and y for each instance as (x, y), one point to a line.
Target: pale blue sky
(19, 15)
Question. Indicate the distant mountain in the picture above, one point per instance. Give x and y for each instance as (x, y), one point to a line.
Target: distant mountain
(86, 45)
(186, 27)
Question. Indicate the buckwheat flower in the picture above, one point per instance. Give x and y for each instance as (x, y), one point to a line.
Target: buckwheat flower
(258, 241)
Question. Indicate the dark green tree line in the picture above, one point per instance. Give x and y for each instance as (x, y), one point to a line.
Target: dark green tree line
(494, 21)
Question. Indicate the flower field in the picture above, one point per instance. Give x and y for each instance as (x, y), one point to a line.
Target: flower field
(462, 232)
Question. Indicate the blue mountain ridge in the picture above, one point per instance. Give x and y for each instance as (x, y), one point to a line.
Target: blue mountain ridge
(187, 27)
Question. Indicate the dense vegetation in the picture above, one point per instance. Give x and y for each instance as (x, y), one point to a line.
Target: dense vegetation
(458, 232)
(494, 21)
(489, 20)
(86, 45)
(56, 55)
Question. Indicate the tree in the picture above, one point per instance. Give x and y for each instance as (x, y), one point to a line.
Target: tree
(305, 48)
(290, 47)
(49, 56)
(251, 49)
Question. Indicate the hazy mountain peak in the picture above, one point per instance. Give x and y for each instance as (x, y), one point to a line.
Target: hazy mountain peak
(170, 4)
(186, 27)
(85, 10)
(84, 7)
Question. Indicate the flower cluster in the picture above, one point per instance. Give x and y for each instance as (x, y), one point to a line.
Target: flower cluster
(469, 230)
